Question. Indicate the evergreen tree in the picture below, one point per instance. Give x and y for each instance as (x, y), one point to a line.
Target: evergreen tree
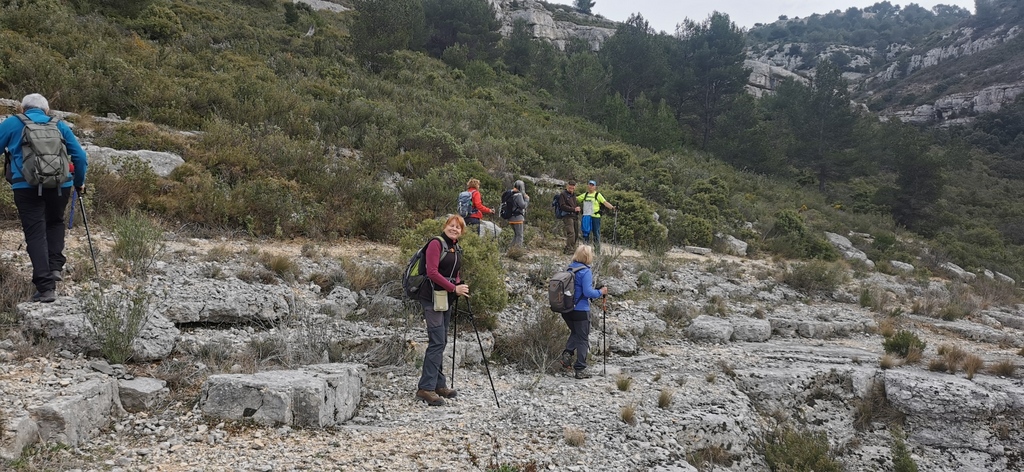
(584, 84)
(519, 49)
(821, 120)
(712, 72)
(634, 59)
(381, 27)
(468, 22)
(584, 6)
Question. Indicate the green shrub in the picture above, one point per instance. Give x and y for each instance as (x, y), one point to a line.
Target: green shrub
(690, 230)
(816, 276)
(116, 317)
(137, 241)
(901, 460)
(787, 449)
(634, 224)
(901, 343)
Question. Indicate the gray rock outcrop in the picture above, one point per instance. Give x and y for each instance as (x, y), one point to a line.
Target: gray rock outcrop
(847, 250)
(71, 419)
(161, 163)
(316, 396)
(141, 393)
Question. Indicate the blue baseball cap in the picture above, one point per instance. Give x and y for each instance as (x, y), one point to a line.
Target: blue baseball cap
(592, 183)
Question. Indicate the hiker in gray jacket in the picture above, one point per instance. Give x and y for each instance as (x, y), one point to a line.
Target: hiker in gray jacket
(520, 201)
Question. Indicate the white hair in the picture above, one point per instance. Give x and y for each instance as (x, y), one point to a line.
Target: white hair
(35, 100)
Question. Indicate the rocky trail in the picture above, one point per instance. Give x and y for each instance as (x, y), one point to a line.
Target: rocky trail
(707, 356)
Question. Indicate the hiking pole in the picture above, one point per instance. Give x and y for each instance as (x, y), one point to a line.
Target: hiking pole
(615, 227)
(88, 237)
(71, 216)
(455, 337)
(604, 343)
(472, 320)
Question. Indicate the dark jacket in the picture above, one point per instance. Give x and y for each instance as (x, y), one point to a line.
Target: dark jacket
(567, 203)
(442, 273)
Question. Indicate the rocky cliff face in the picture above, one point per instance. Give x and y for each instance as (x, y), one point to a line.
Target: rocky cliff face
(990, 87)
(543, 25)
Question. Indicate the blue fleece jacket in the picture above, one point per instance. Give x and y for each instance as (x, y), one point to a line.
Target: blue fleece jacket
(10, 139)
(584, 286)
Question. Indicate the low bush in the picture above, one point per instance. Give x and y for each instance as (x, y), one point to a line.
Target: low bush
(818, 277)
(789, 449)
(137, 241)
(536, 344)
(116, 316)
(901, 342)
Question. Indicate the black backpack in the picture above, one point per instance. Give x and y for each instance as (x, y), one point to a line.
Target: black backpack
(508, 205)
(562, 290)
(45, 160)
(416, 271)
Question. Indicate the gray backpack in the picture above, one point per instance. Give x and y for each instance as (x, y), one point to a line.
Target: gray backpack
(45, 160)
(562, 290)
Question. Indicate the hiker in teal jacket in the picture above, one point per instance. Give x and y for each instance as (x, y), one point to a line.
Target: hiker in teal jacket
(42, 210)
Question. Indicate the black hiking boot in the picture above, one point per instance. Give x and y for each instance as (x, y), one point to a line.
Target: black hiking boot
(583, 374)
(566, 359)
(44, 297)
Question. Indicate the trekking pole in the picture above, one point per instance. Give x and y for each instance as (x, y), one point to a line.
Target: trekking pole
(88, 237)
(472, 320)
(71, 216)
(604, 343)
(455, 337)
(615, 227)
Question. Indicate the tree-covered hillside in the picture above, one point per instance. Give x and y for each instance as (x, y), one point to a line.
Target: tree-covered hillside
(364, 122)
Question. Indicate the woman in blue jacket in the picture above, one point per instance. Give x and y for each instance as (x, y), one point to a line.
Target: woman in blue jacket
(41, 210)
(578, 320)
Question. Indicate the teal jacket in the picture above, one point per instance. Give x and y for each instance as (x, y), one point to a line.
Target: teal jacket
(10, 140)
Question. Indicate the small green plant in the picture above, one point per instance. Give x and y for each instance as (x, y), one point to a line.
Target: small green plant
(137, 241)
(665, 398)
(628, 414)
(624, 382)
(678, 313)
(116, 317)
(901, 342)
(789, 449)
(901, 460)
(219, 253)
(575, 437)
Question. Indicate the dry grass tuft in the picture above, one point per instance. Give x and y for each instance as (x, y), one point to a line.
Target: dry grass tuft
(938, 364)
(665, 398)
(887, 327)
(887, 362)
(219, 253)
(575, 437)
(628, 414)
(953, 355)
(914, 355)
(875, 406)
(1003, 368)
(972, 365)
(624, 382)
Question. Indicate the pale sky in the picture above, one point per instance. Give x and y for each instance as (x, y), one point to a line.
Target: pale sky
(663, 15)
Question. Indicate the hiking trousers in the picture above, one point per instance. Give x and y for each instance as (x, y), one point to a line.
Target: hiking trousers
(595, 233)
(42, 220)
(572, 233)
(579, 336)
(433, 377)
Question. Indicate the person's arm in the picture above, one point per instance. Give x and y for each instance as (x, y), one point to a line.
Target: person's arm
(7, 133)
(521, 201)
(600, 198)
(587, 284)
(433, 259)
(78, 156)
(478, 203)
